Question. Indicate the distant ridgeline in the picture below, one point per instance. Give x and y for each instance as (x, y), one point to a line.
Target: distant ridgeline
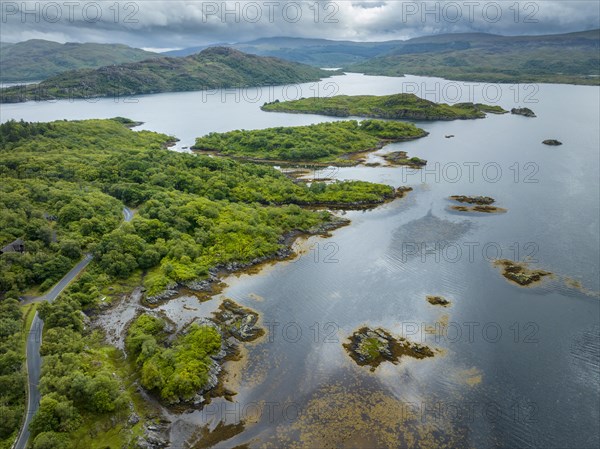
(398, 106)
(37, 59)
(572, 58)
(215, 67)
(560, 58)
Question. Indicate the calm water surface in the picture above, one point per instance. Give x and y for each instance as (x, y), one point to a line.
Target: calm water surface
(516, 367)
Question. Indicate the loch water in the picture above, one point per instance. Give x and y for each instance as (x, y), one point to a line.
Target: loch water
(514, 366)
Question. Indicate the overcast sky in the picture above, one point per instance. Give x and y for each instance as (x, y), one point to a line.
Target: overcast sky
(176, 24)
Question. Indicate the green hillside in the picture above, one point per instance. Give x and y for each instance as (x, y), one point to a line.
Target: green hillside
(572, 58)
(216, 67)
(37, 59)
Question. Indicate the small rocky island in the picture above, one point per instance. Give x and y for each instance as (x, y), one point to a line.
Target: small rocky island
(481, 200)
(437, 301)
(525, 112)
(372, 347)
(520, 273)
(478, 204)
(402, 191)
(552, 142)
(237, 321)
(401, 158)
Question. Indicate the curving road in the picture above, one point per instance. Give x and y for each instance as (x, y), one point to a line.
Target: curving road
(34, 342)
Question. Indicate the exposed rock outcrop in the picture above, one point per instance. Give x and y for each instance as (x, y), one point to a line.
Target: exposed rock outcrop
(525, 112)
(552, 142)
(438, 301)
(374, 346)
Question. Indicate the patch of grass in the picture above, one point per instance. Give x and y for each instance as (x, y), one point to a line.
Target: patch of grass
(372, 347)
(28, 315)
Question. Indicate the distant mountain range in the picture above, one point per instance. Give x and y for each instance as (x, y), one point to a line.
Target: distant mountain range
(316, 52)
(572, 58)
(560, 58)
(37, 59)
(215, 67)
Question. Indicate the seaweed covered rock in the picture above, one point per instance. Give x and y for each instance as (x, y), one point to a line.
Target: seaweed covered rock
(525, 112)
(238, 321)
(438, 301)
(520, 273)
(401, 158)
(481, 200)
(552, 142)
(372, 347)
(477, 204)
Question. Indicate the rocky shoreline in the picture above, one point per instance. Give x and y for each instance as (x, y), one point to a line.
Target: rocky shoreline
(401, 158)
(215, 274)
(236, 324)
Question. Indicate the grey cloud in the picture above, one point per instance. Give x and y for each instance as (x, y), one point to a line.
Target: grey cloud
(186, 23)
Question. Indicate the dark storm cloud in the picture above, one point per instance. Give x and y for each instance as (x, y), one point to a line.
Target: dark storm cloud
(171, 24)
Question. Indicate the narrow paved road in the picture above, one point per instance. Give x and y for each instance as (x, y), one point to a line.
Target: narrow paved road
(127, 214)
(34, 342)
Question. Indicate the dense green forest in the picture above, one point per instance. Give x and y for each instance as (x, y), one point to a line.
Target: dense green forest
(65, 184)
(323, 143)
(88, 389)
(37, 59)
(13, 380)
(216, 67)
(177, 371)
(572, 58)
(397, 106)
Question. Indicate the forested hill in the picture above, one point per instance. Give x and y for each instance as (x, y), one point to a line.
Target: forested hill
(556, 58)
(37, 59)
(316, 52)
(396, 107)
(559, 58)
(215, 67)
